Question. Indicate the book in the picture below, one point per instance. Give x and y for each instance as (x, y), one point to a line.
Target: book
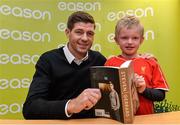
(119, 98)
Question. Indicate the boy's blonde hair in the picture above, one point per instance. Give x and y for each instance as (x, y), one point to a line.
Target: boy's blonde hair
(128, 22)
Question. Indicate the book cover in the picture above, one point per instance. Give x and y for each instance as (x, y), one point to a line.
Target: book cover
(119, 99)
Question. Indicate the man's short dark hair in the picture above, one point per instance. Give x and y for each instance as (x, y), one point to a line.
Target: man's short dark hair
(79, 16)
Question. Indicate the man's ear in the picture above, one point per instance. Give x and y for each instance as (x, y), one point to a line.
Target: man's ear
(114, 38)
(67, 31)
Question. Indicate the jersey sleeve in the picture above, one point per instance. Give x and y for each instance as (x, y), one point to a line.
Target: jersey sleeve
(158, 78)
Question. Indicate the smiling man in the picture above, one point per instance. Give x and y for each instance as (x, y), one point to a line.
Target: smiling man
(60, 88)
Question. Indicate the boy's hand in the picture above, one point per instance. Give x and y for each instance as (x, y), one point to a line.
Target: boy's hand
(140, 83)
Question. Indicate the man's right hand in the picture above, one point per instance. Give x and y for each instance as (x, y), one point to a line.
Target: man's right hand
(86, 100)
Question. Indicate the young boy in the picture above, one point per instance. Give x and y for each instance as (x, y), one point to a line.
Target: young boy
(149, 79)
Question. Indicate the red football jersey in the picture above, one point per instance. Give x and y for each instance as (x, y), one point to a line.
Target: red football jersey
(153, 76)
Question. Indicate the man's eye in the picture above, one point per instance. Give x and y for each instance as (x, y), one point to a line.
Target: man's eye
(90, 34)
(79, 32)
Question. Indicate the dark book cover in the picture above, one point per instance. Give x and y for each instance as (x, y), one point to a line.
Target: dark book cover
(119, 99)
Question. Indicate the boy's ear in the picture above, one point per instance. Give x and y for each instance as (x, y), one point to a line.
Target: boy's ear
(115, 39)
(142, 39)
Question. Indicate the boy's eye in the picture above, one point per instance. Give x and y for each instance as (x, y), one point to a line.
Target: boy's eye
(124, 37)
(135, 38)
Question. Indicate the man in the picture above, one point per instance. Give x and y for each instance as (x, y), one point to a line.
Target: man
(60, 88)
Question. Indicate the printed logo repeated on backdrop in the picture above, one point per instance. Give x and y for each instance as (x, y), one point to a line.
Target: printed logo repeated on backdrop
(29, 28)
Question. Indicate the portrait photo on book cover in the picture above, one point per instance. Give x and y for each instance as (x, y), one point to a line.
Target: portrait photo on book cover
(112, 105)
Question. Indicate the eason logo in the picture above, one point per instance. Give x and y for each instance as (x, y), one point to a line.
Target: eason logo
(62, 26)
(25, 12)
(149, 34)
(18, 59)
(14, 83)
(96, 47)
(18, 35)
(110, 37)
(139, 12)
(11, 108)
(79, 6)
